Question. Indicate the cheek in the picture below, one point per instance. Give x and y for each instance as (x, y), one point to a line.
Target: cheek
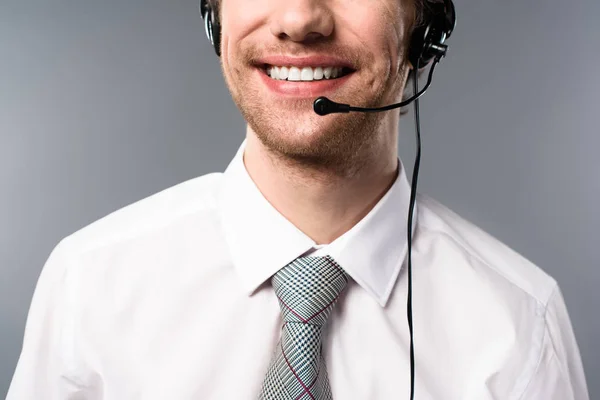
(243, 19)
(395, 42)
(386, 55)
(384, 40)
(233, 23)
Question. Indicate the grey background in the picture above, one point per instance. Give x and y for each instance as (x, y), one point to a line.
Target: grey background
(103, 103)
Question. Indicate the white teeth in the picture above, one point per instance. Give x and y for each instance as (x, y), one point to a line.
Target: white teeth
(294, 74)
(318, 73)
(306, 74)
(283, 72)
(303, 74)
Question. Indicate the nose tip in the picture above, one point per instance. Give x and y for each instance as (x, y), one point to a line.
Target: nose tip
(302, 21)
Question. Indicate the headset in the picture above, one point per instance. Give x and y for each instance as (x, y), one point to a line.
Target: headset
(427, 45)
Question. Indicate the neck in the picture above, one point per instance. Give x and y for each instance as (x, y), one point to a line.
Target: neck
(322, 203)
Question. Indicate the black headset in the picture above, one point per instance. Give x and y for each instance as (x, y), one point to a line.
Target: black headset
(426, 45)
(427, 40)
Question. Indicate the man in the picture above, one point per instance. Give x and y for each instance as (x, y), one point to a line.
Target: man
(285, 276)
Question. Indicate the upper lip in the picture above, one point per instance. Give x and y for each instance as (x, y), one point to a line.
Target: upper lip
(307, 61)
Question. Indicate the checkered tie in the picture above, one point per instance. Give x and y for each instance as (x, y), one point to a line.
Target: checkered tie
(307, 290)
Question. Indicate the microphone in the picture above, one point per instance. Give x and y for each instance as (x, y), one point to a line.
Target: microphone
(324, 106)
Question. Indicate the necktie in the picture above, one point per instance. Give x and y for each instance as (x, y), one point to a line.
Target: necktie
(307, 290)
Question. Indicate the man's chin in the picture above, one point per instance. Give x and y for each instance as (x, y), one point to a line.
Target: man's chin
(292, 130)
(297, 143)
(309, 144)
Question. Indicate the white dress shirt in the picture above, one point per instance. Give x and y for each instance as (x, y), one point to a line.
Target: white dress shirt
(170, 298)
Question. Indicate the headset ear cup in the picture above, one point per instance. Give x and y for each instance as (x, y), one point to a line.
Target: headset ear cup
(211, 25)
(450, 18)
(216, 32)
(427, 41)
(416, 46)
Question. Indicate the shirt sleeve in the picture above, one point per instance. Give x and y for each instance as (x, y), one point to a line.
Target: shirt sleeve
(45, 369)
(559, 374)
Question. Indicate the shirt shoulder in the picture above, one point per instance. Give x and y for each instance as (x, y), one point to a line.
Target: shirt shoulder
(501, 260)
(194, 196)
(511, 299)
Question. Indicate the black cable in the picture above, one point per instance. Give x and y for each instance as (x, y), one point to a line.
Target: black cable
(413, 193)
(324, 106)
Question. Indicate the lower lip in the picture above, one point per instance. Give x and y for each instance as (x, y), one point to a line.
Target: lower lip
(300, 89)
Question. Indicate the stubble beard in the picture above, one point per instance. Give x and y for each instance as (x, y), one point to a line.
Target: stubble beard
(339, 144)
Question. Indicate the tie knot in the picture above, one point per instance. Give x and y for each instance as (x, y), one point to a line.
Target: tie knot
(307, 289)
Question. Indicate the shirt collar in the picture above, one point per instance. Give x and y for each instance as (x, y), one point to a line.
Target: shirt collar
(262, 241)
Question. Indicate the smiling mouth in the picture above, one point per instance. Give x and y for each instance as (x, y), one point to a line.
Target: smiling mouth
(305, 74)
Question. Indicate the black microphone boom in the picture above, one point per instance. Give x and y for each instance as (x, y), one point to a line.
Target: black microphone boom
(324, 106)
